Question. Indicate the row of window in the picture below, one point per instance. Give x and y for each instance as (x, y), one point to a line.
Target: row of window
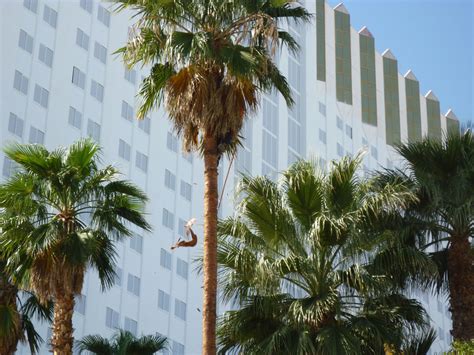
(124, 152)
(50, 16)
(21, 83)
(103, 15)
(112, 320)
(164, 304)
(16, 127)
(170, 182)
(182, 268)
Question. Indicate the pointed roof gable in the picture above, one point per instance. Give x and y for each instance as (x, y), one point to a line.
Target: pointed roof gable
(409, 75)
(388, 54)
(431, 96)
(452, 115)
(341, 8)
(364, 31)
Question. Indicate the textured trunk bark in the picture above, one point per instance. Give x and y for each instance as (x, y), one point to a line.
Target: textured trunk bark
(210, 245)
(62, 338)
(9, 340)
(461, 287)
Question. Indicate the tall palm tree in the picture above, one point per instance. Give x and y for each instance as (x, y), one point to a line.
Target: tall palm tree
(123, 343)
(67, 214)
(210, 60)
(296, 261)
(441, 174)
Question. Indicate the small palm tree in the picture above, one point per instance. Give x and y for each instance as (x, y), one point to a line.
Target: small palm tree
(441, 174)
(123, 343)
(67, 213)
(297, 262)
(210, 60)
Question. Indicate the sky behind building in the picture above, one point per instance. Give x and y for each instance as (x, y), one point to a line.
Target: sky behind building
(434, 38)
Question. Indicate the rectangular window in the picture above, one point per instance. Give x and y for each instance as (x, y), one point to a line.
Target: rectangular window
(50, 16)
(100, 52)
(97, 90)
(170, 180)
(41, 96)
(144, 124)
(349, 131)
(112, 318)
(133, 284)
(165, 259)
(124, 150)
(20, 82)
(392, 104)
(45, 55)
(178, 348)
(131, 76)
(141, 161)
(374, 152)
(270, 116)
(118, 276)
(339, 123)
(270, 149)
(343, 57)
(103, 16)
(136, 243)
(368, 81)
(80, 304)
(8, 167)
(322, 136)
(127, 111)
(434, 119)
(163, 301)
(82, 40)
(180, 309)
(93, 130)
(36, 136)
(86, 5)
(340, 150)
(181, 224)
(452, 126)
(168, 219)
(320, 40)
(25, 42)
(182, 268)
(31, 5)
(171, 142)
(294, 74)
(294, 136)
(322, 109)
(188, 157)
(75, 117)
(186, 190)
(15, 125)
(130, 325)
(78, 78)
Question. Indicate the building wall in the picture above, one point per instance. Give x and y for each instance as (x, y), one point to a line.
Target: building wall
(319, 126)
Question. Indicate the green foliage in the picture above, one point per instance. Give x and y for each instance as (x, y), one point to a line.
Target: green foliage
(462, 348)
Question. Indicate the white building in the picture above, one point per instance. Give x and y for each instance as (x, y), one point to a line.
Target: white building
(59, 82)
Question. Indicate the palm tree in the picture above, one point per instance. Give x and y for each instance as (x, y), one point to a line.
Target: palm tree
(441, 174)
(210, 60)
(67, 213)
(296, 262)
(123, 343)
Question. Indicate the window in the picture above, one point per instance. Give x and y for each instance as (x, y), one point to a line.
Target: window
(80, 304)
(144, 124)
(133, 284)
(163, 301)
(104, 16)
(339, 123)
(182, 268)
(50, 16)
(100, 52)
(31, 5)
(124, 150)
(340, 150)
(141, 161)
(186, 190)
(130, 325)
(78, 78)
(112, 318)
(322, 109)
(130, 75)
(118, 276)
(320, 40)
(441, 334)
(178, 348)
(170, 180)
(127, 111)
(75, 117)
(93, 130)
(45, 55)
(15, 125)
(374, 153)
(8, 167)
(270, 149)
(36, 136)
(20, 82)
(294, 136)
(41, 96)
(181, 224)
(97, 90)
(188, 156)
(165, 259)
(136, 243)
(349, 131)
(171, 142)
(343, 57)
(368, 79)
(392, 103)
(82, 40)
(168, 219)
(440, 306)
(322, 136)
(180, 309)
(25, 42)
(365, 142)
(86, 5)
(412, 90)
(270, 116)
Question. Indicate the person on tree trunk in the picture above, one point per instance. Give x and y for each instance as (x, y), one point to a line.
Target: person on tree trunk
(187, 243)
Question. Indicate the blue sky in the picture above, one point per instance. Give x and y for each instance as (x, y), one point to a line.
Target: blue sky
(434, 38)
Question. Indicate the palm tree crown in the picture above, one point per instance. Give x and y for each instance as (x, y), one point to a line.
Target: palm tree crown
(65, 213)
(297, 260)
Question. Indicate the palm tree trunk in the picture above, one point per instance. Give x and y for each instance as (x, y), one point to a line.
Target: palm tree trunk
(62, 338)
(211, 157)
(461, 287)
(8, 294)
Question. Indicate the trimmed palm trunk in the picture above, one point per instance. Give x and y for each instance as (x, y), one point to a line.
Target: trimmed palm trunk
(8, 294)
(461, 285)
(211, 157)
(62, 339)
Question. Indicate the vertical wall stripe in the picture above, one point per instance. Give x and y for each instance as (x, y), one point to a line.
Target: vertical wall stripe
(367, 80)
(343, 57)
(412, 90)
(392, 107)
(321, 40)
(434, 118)
(452, 126)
